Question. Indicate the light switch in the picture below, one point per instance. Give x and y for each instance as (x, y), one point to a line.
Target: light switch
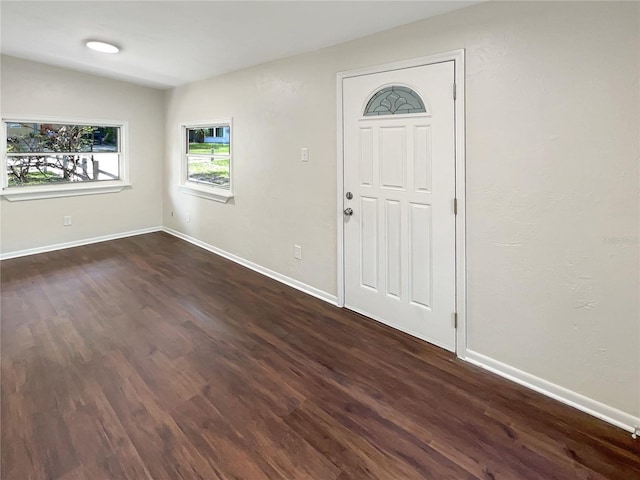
(304, 154)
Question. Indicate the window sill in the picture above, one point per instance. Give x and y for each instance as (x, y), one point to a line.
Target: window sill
(18, 194)
(210, 193)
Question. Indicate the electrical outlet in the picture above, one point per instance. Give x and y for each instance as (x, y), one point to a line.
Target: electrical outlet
(66, 220)
(304, 155)
(297, 252)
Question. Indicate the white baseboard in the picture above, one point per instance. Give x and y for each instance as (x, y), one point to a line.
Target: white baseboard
(576, 400)
(76, 243)
(303, 287)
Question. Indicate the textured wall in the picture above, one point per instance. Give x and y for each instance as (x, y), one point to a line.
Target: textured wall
(552, 178)
(30, 88)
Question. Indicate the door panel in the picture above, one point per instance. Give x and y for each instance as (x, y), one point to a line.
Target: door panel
(394, 248)
(422, 159)
(366, 157)
(369, 242)
(420, 263)
(393, 157)
(400, 241)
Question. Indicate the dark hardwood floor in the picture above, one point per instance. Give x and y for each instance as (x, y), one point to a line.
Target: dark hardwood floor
(149, 358)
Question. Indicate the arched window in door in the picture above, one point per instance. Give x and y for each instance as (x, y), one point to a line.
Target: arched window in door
(394, 100)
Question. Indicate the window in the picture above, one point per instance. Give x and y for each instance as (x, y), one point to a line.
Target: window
(394, 100)
(207, 160)
(54, 157)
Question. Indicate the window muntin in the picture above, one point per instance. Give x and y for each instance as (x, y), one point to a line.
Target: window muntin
(208, 155)
(53, 153)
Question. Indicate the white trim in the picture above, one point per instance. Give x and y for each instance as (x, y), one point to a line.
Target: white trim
(69, 189)
(211, 193)
(461, 217)
(340, 190)
(77, 243)
(454, 55)
(18, 194)
(568, 397)
(211, 122)
(303, 287)
(396, 116)
(89, 121)
(457, 56)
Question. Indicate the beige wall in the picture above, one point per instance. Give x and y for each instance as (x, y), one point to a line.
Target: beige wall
(30, 88)
(552, 178)
(553, 110)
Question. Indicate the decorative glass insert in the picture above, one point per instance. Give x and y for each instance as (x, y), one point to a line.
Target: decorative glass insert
(394, 100)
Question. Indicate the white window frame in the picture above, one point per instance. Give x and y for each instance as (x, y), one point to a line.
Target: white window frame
(203, 190)
(70, 189)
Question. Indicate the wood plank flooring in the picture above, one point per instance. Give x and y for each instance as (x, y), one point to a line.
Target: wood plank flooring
(149, 358)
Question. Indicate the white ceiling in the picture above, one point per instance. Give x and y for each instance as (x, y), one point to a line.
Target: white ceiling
(169, 43)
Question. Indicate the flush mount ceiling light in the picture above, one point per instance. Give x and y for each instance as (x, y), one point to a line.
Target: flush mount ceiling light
(102, 47)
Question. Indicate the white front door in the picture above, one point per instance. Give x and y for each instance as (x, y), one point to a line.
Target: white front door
(399, 170)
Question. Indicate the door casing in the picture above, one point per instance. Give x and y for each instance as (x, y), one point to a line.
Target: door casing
(457, 56)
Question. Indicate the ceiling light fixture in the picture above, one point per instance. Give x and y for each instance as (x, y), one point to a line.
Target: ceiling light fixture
(102, 47)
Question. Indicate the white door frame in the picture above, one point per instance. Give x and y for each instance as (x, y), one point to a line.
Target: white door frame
(457, 56)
